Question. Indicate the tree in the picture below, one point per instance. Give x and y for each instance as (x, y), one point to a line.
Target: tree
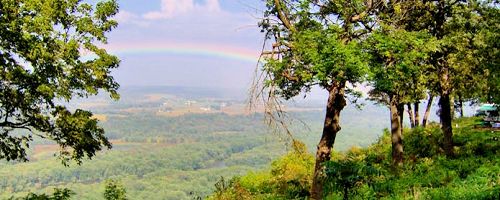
(114, 190)
(488, 52)
(316, 44)
(49, 54)
(396, 73)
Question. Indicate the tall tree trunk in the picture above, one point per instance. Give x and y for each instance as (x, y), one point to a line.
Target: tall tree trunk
(446, 107)
(346, 193)
(445, 116)
(461, 105)
(439, 60)
(396, 133)
(416, 106)
(410, 114)
(427, 110)
(336, 102)
(401, 112)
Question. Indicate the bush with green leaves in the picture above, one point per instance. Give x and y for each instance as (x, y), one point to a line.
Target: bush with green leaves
(114, 190)
(231, 189)
(422, 142)
(290, 177)
(346, 173)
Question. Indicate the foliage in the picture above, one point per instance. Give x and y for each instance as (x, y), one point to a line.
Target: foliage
(59, 194)
(423, 142)
(489, 51)
(228, 190)
(348, 173)
(293, 173)
(289, 178)
(397, 64)
(324, 59)
(397, 73)
(310, 49)
(114, 190)
(49, 55)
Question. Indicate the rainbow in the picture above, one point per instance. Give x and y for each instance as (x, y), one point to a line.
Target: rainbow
(206, 50)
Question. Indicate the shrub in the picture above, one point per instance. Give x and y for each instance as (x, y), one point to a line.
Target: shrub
(350, 173)
(292, 174)
(114, 190)
(228, 190)
(423, 142)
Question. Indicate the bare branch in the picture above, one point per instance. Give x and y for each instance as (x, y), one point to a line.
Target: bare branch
(282, 16)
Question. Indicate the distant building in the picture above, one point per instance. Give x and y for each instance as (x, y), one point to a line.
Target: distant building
(189, 102)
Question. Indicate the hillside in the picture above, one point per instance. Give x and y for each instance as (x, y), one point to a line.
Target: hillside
(367, 173)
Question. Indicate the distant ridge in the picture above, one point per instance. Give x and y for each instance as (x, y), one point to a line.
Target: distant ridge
(188, 92)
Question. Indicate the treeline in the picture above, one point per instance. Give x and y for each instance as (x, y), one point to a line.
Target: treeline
(113, 191)
(140, 126)
(140, 161)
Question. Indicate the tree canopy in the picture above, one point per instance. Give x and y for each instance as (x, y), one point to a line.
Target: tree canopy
(49, 54)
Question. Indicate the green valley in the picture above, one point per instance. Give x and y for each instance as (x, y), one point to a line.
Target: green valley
(175, 157)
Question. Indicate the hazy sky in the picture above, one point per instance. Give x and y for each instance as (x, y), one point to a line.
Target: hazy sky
(212, 43)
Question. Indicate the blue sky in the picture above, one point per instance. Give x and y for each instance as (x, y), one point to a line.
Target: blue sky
(203, 23)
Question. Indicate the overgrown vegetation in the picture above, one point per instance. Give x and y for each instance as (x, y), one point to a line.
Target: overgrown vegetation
(368, 173)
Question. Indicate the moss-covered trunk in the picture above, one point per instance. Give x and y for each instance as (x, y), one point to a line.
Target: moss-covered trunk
(336, 102)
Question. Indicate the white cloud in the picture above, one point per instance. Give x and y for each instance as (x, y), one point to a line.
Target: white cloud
(213, 5)
(173, 8)
(125, 17)
(187, 21)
